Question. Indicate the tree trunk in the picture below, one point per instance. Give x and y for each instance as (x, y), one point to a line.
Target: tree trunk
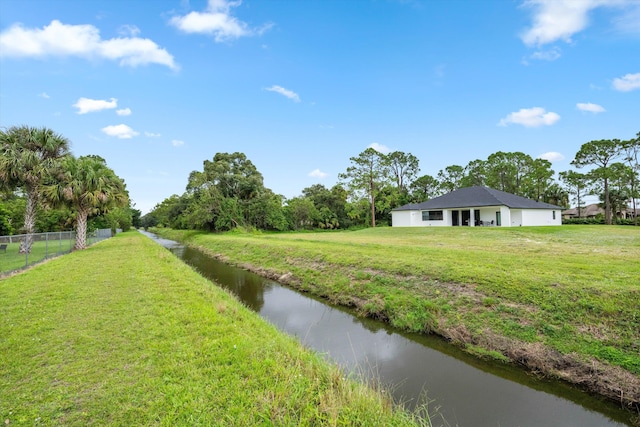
(579, 201)
(373, 209)
(81, 230)
(29, 222)
(607, 203)
(373, 213)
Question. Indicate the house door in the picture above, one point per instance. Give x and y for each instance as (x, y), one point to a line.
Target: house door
(476, 217)
(498, 218)
(454, 218)
(466, 216)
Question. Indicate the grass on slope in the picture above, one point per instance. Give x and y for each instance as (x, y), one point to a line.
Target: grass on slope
(126, 334)
(573, 290)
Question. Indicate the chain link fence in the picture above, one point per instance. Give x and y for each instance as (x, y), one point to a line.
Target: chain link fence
(13, 256)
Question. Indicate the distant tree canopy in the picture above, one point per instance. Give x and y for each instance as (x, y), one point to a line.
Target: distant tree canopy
(229, 191)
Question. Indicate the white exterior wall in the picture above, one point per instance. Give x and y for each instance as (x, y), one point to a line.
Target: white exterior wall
(414, 219)
(540, 217)
(505, 213)
(488, 214)
(446, 219)
(508, 217)
(516, 218)
(403, 218)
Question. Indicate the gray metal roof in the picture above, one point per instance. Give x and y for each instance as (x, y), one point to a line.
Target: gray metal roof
(475, 197)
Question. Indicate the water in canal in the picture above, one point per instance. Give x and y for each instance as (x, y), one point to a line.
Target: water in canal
(462, 390)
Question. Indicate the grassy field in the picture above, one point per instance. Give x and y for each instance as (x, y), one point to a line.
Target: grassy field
(12, 260)
(126, 334)
(41, 249)
(562, 301)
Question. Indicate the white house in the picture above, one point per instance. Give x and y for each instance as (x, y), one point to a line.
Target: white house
(477, 206)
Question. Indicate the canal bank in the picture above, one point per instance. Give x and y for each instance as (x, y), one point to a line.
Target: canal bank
(466, 390)
(126, 334)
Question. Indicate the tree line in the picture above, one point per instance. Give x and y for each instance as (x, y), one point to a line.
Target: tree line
(229, 191)
(43, 187)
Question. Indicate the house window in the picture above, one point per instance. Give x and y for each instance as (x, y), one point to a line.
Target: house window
(554, 214)
(432, 215)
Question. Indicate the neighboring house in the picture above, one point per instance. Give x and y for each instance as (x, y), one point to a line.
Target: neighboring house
(593, 210)
(477, 206)
(589, 211)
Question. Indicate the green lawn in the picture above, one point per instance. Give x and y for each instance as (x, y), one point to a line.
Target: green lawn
(41, 249)
(125, 334)
(12, 260)
(563, 301)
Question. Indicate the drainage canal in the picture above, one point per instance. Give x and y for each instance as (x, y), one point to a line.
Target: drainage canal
(461, 390)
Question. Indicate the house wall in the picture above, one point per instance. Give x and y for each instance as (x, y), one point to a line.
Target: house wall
(414, 219)
(404, 218)
(488, 214)
(505, 213)
(541, 217)
(509, 217)
(516, 218)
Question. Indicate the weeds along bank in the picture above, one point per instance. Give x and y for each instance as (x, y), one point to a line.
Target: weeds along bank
(126, 334)
(561, 301)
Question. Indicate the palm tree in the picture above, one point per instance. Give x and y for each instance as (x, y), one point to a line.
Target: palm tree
(88, 187)
(28, 157)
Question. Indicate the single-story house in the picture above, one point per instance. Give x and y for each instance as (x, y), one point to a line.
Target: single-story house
(477, 206)
(589, 211)
(595, 209)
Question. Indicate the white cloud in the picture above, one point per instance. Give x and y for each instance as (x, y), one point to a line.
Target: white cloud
(177, 142)
(592, 108)
(87, 105)
(380, 148)
(285, 92)
(627, 83)
(62, 40)
(547, 55)
(128, 30)
(217, 20)
(124, 112)
(152, 135)
(44, 95)
(317, 173)
(530, 117)
(552, 156)
(555, 20)
(120, 131)
(629, 22)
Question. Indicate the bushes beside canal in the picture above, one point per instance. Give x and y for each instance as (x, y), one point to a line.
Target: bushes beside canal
(562, 301)
(126, 334)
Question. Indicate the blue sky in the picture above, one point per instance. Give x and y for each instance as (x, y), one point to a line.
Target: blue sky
(157, 87)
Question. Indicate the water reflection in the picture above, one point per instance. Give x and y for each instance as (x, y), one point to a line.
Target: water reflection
(250, 289)
(469, 392)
